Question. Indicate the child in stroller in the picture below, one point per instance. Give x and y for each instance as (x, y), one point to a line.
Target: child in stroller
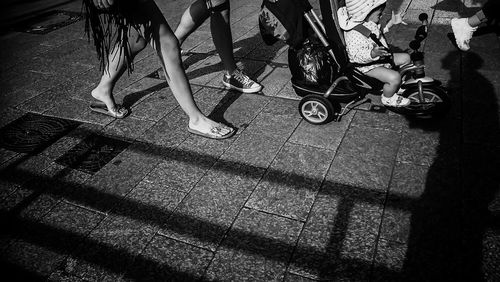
(365, 54)
(329, 83)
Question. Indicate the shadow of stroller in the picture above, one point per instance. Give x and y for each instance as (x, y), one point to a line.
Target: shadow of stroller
(452, 221)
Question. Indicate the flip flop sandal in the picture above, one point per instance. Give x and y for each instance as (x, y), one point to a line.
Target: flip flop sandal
(214, 133)
(99, 107)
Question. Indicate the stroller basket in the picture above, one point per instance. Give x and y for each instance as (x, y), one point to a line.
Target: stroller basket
(315, 60)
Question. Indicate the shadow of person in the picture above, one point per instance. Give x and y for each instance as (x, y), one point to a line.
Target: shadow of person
(451, 218)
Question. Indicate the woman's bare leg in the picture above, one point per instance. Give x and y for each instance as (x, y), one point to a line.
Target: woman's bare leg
(115, 69)
(167, 47)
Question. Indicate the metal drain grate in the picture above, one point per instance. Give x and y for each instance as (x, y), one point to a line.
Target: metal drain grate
(48, 22)
(32, 133)
(93, 153)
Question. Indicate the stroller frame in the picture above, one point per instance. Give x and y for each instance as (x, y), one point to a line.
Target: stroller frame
(427, 96)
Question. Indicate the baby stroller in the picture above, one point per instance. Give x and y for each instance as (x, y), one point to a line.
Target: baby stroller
(329, 85)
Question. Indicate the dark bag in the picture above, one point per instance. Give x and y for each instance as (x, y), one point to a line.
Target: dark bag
(311, 64)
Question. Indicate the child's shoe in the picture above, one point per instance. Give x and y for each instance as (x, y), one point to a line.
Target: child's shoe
(395, 101)
(462, 32)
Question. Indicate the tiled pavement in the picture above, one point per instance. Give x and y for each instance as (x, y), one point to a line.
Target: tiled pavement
(375, 197)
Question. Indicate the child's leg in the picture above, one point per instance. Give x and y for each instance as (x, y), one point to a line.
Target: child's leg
(401, 59)
(392, 81)
(390, 78)
(166, 45)
(115, 69)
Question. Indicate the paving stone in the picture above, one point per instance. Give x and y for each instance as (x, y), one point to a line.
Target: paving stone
(208, 211)
(418, 146)
(41, 247)
(389, 261)
(287, 92)
(170, 131)
(237, 109)
(291, 277)
(61, 276)
(138, 90)
(274, 80)
(327, 136)
(129, 128)
(265, 52)
(257, 248)
(120, 176)
(339, 236)
(181, 170)
(18, 172)
(40, 195)
(292, 181)
(150, 203)
(9, 115)
(365, 158)
(168, 260)
(387, 121)
(491, 251)
(46, 100)
(207, 70)
(155, 106)
(110, 249)
(68, 109)
(271, 127)
(6, 155)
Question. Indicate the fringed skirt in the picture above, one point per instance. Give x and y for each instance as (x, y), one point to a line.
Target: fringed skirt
(110, 29)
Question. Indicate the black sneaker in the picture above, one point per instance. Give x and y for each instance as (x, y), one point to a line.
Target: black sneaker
(241, 82)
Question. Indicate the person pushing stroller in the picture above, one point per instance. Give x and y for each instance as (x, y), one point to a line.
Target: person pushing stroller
(365, 54)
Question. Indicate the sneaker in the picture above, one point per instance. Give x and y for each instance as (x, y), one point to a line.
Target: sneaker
(241, 82)
(462, 32)
(395, 101)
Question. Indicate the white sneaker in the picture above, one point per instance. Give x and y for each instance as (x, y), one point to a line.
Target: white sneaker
(463, 32)
(395, 101)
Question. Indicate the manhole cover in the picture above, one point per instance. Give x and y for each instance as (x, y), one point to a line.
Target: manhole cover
(32, 133)
(48, 22)
(93, 153)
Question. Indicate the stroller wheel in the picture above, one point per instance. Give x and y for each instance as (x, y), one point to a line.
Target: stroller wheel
(316, 109)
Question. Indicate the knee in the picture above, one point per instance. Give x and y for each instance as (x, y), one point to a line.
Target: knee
(169, 44)
(394, 78)
(405, 59)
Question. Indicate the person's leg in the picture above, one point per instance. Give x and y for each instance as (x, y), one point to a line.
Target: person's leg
(194, 16)
(464, 28)
(114, 70)
(167, 47)
(392, 81)
(220, 28)
(401, 59)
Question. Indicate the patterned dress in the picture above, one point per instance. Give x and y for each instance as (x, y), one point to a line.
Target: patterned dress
(359, 47)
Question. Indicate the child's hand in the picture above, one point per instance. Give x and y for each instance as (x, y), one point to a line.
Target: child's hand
(379, 51)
